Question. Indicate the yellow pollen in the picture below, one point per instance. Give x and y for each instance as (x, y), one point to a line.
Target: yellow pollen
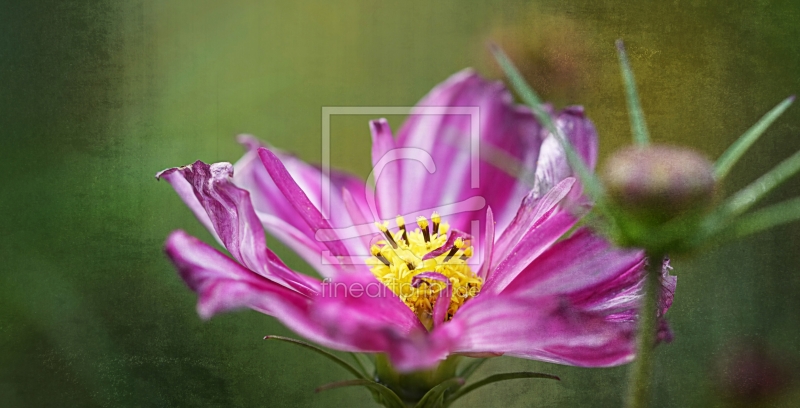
(398, 258)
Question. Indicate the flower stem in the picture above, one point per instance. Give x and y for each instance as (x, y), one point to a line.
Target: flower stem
(640, 372)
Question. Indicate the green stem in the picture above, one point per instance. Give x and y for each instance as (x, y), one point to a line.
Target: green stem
(640, 372)
(766, 218)
(638, 126)
(737, 149)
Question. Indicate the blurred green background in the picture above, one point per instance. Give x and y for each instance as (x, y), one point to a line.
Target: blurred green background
(97, 96)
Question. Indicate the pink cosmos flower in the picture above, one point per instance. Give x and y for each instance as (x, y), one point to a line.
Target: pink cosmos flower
(521, 278)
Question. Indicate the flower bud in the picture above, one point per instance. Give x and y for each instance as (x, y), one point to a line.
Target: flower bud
(655, 184)
(746, 372)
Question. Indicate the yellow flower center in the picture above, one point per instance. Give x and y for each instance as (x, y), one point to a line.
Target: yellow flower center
(404, 254)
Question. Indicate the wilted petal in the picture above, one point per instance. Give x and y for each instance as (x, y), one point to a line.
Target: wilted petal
(186, 192)
(452, 237)
(619, 298)
(227, 208)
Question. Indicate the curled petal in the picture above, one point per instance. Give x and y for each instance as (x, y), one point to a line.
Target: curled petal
(453, 236)
(440, 308)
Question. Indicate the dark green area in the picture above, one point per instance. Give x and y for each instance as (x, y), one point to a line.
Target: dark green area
(97, 96)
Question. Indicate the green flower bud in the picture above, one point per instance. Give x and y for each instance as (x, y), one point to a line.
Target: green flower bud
(659, 196)
(658, 183)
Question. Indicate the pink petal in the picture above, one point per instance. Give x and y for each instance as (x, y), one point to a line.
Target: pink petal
(363, 223)
(503, 127)
(302, 205)
(307, 247)
(553, 166)
(546, 329)
(488, 245)
(619, 298)
(224, 285)
(326, 314)
(581, 261)
(533, 211)
(537, 225)
(576, 304)
(365, 314)
(388, 172)
(279, 215)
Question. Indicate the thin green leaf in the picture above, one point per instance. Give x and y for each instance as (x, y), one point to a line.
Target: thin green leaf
(638, 125)
(470, 367)
(744, 199)
(434, 397)
(496, 378)
(737, 149)
(361, 365)
(389, 397)
(335, 359)
(766, 218)
(588, 179)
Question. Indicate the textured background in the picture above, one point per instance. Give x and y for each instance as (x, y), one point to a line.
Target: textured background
(97, 96)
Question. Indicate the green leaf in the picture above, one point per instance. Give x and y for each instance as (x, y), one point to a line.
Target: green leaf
(737, 149)
(435, 396)
(590, 182)
(638, 125)
(388, 397)
(496, 378)
(335, 359)
(748, 196)
(766, 218)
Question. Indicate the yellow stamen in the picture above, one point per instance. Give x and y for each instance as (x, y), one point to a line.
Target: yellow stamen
(396, 261)
(401, 223)
(436, 221)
